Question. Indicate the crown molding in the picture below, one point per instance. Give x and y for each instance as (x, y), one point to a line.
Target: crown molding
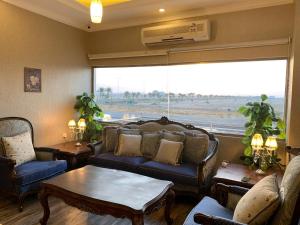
(80, 24)
(234, 7)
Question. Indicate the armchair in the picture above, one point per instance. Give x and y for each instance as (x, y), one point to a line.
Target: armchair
(212, 212)
(22, 180)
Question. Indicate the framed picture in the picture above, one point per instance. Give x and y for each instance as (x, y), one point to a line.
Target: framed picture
(32, 80)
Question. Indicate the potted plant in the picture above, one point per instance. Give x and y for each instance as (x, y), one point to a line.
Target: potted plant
(89, 110)
(263, 120)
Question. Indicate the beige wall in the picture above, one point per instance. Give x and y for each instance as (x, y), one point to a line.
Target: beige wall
(252, 25)
(30, 40)
(294, 91)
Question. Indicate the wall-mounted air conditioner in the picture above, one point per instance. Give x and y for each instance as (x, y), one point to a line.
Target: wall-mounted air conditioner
(176, 33)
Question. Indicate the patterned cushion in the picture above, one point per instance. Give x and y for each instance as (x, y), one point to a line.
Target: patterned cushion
(174, 136)
(110, 138)
(195, 147)
(259, 203)
(129, 145)
(150, 144)
(289, 192)
(169, 152)
(19, 148)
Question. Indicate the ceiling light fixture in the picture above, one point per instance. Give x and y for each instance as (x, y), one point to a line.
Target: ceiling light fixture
(161, 10)
(96, 11)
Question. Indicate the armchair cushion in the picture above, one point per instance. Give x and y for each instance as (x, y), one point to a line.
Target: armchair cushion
(259, 203)
(183, 174)
(19, 148)
(210, 207)
(35, 171)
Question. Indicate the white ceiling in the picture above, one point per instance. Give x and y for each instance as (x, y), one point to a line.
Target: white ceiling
(136, 12)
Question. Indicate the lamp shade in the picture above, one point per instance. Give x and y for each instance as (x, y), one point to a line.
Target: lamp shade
(271, 143)
(72, 124)
(257, 141)
(96, 11)
(81, 124)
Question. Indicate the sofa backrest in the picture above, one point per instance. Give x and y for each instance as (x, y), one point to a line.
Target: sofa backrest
(165, 124)
(289, 210)
(11, 126)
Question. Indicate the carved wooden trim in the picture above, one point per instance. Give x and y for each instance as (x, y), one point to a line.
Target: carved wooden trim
(101, 207)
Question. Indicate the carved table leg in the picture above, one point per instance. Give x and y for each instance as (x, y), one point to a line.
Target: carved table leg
(43, 196)
(170, 198)
(138, 219)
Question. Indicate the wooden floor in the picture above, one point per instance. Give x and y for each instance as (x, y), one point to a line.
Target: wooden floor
(62, 214)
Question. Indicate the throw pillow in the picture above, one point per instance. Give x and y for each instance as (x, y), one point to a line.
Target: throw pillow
(259, 203)
(129, 145)
(124, 131)
(150, 144)
(110, 138)
(195, 147)
(169, 152)
(19, 148)
(174, 136)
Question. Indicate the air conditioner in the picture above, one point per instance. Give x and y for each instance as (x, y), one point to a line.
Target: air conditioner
(176, 33)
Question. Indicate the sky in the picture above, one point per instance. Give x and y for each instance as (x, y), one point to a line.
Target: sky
(248, 78)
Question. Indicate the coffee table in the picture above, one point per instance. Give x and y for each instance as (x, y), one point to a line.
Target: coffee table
(105, 191)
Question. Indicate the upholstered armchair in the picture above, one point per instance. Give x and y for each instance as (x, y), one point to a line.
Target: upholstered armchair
(22, 180)
(220, 212)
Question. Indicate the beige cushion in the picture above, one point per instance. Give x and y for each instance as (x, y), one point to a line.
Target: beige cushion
(289, 192)
(259, 203)
(129, 145)
(169, 152)
(128, 131)
(195, 147)
(150, 144)
(19, 148)
(110, 138)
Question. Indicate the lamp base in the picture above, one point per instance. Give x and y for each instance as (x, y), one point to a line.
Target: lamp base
(260, 172)
(78, 144)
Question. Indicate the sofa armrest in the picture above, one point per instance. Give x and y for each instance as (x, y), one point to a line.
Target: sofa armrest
(227, 194)
(45, 154)
(207, 167)
(96, 147)
(213, 220)
(7, 168)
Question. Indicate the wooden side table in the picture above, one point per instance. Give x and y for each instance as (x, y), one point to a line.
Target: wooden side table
(76, 156)
(233, 174)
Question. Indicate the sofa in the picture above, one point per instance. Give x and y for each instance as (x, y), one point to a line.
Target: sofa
(190, 177)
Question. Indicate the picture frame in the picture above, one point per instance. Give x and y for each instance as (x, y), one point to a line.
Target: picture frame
(32, 80)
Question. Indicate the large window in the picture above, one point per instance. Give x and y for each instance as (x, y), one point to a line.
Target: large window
(206, 95)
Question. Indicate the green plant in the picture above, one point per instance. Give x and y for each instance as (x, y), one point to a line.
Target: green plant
(88, 110)
(262, 119)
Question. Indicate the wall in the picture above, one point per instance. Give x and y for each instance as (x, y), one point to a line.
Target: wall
(294, 91)
(34, 41)
(252, 25)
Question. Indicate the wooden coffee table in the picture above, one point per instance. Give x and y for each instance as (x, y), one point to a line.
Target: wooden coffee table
(105, 191)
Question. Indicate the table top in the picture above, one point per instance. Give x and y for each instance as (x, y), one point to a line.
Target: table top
(114, 186)
(71, 148)
(234, 173)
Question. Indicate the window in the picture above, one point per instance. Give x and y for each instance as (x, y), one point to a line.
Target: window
(206, 95)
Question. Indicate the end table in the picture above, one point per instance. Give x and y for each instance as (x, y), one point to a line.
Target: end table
(76, 156)
(233, 174)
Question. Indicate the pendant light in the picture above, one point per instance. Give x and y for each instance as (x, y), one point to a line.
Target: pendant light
(96, 11)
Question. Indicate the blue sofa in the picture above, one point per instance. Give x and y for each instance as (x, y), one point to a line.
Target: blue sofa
(20, 181)
(189, 177)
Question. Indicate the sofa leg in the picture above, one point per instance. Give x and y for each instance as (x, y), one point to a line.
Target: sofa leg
(21, 201)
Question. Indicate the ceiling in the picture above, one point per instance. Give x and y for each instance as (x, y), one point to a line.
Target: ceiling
(124, 13)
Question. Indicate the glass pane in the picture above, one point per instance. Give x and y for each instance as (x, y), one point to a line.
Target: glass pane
(206, 95)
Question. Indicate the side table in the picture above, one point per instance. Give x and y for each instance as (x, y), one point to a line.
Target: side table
(233, 174)
(76, 156)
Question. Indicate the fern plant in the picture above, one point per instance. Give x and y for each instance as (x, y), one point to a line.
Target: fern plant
(88, 110)
(262, 119)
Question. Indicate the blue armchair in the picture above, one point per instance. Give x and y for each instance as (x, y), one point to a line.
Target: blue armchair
(20, 181)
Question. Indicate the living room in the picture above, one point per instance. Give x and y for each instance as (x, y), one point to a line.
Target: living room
(53, 51)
